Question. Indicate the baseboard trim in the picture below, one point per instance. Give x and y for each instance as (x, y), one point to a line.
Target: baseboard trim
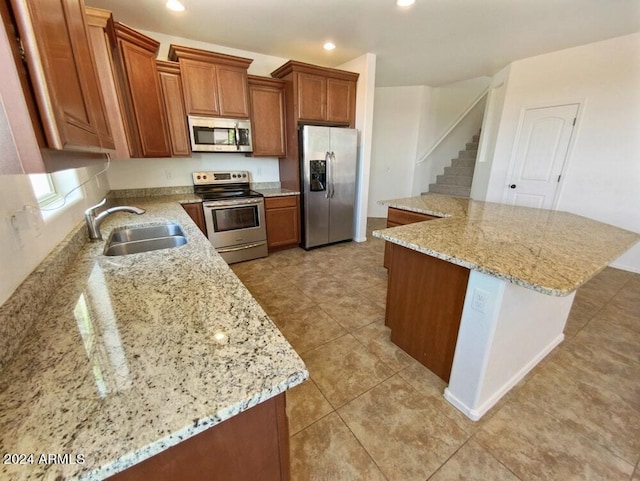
(476, 413)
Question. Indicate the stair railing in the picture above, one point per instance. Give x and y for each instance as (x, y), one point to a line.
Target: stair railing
(453, 126)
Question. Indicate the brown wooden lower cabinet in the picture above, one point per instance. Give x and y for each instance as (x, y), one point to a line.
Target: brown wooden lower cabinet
(396, 217)
(425, 296)
(194, 209)
(283, 222)
(251, 446)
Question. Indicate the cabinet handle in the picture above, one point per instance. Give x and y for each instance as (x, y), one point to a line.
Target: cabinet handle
(512, 186)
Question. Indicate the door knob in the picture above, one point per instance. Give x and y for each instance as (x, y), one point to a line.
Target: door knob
(512, 186)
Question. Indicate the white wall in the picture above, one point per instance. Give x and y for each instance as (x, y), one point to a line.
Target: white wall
(36, 232)
(488, 139)
(408, 121)
(396, 125)
(365, 65)
(602, 176)
(169, 172)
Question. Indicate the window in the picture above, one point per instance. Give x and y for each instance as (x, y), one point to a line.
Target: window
(43, 188)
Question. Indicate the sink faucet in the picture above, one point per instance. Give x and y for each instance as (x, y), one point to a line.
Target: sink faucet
(94, 221)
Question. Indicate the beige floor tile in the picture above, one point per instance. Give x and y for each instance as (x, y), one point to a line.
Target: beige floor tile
(308, 328)
(535, 446)
(323, 288)
(283, 299)
(599, 334)
(473, 463)
(606, 368)
(328, 451)
(353, 311)
(305, 405)
(376, 338)
(343, 369)
(409, 444)
(576, 396)
(623, 310)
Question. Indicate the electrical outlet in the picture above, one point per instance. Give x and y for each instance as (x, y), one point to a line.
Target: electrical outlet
(168, 174)
(480, 300)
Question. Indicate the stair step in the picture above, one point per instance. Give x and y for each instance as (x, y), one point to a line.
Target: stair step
(476, 138)
(472, 146)
(465, 162)
(461, 180)
(455, 190)
(459, 171)
(468, 154)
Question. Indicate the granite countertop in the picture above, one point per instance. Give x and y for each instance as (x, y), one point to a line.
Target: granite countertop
(136, 353)
(276, 192)
(551, 252)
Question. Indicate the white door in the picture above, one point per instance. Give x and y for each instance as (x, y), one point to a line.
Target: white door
(541, 151)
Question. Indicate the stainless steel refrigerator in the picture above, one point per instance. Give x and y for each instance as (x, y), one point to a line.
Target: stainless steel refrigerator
(328, 175)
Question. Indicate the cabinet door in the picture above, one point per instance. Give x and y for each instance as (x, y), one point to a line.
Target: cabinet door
(200, 83)
(312, 97)
(233, 94)
(146, 107)
(97, 21)
(268, 121)
(63, 73)
(196, 213)
(173, 100)
(341, 100)
(282, 220)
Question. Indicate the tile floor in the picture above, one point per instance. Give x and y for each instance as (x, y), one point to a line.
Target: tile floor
(370, 412)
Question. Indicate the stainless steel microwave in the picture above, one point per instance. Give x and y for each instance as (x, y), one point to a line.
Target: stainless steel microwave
(211, 134)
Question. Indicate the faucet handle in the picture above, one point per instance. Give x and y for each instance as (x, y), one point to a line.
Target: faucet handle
(90, 210)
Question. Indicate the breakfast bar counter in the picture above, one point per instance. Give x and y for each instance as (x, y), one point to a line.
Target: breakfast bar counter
(136, 354)
(481, 293)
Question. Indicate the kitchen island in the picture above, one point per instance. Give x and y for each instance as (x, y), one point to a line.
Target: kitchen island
(482, 294)
(140, 354)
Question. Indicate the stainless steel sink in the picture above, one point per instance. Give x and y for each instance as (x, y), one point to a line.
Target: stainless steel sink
(134, 240)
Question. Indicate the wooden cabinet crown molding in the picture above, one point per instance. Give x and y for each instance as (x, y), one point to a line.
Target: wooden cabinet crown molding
(97, 17)
(177, 52)
(301, 67)
(126, 33)
(265, 81)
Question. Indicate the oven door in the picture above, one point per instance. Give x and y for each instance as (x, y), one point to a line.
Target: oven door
(235, 222)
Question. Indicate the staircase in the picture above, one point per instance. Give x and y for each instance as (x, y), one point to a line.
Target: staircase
(457, 178)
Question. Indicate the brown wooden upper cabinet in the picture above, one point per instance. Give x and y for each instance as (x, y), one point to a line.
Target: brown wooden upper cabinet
(173, 99)
(266, 96)
(313, 95)
(321, 94)
(63, 74)
(214, 84)
(145, 118)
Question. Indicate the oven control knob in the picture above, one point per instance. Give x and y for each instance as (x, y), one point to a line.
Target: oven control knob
(198, 177)
(244, 175)
(234, 176)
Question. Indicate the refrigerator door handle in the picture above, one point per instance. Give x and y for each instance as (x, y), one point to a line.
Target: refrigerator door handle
(327, 163)
(333, 160)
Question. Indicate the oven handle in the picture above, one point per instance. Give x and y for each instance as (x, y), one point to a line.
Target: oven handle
(231, 203)
(241, 248)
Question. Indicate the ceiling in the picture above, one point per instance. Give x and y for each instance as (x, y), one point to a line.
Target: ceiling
(433, 42)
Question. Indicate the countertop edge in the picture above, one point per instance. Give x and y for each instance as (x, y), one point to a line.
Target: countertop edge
(201, 425)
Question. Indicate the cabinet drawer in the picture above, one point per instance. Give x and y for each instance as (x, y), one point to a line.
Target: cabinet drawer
(279, 202)
(401, 217)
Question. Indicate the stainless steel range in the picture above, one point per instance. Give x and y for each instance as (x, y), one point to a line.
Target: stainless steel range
(234, 214)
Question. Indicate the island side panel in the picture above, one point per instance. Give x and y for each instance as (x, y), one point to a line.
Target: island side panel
(251, 445)
(425, 298)
(504, 334)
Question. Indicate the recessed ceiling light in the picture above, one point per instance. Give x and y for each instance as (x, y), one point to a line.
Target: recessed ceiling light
(329, 46)
(405, 3)
(175, 5)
